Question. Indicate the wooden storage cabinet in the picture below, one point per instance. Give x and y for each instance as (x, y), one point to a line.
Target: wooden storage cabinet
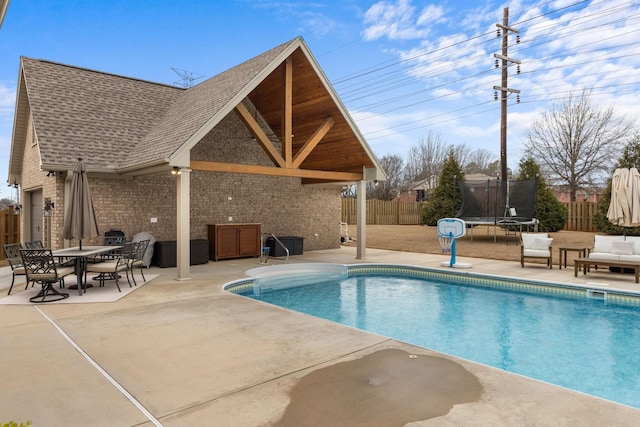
(233, 241)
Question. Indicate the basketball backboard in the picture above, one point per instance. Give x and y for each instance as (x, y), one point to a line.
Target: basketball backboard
(451, 227)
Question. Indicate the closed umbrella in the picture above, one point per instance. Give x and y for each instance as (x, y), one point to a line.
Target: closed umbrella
(634, 183)
(80, 218)
(619, 212)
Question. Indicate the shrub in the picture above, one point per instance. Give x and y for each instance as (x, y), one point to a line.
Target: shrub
(446, 199)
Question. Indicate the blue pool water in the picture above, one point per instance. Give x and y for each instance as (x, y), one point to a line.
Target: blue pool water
(584, 344)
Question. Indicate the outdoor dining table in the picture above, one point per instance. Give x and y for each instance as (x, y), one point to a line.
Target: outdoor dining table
(81, 256)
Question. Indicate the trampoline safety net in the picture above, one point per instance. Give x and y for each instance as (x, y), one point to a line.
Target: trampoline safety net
(496, 201)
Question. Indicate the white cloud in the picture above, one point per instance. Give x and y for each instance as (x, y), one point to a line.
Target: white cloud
(398, 20)
(317, 23)
(431, 14)
(7, 100)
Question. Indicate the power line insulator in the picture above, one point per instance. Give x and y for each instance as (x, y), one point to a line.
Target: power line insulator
(517, 38)
(498, 32)
(518, 69)
(518, 98)
(497, 63)
(495, 95)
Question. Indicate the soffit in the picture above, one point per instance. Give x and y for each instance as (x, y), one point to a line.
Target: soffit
(341, 149)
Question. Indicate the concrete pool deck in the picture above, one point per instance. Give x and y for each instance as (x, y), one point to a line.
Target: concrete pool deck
(190, 354)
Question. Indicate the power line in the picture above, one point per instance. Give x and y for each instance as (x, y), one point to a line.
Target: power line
(394, 75)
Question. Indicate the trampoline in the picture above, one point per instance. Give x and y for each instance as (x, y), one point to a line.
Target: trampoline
(499, 204)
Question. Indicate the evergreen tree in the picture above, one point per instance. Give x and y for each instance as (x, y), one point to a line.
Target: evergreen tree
(446, 199)
(630, 159)
(549, 211)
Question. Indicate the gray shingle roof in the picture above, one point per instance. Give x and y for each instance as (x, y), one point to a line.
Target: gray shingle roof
(114, 122)
(84, 113)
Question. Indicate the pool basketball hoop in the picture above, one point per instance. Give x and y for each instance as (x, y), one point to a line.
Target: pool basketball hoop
(450, 229)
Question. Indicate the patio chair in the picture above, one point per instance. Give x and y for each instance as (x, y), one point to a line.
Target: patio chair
(136, 261)
(12, 254)
(40, 267)
(34, 244)
(111, 238)
(536, 245)
(111, 268)
(37, 244)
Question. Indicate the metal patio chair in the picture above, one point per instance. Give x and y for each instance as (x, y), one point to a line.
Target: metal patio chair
(40, 267)
(136, 261)
(111, 268)
(12, 254)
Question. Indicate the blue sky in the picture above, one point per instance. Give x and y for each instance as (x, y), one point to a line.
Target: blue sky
(403, 68)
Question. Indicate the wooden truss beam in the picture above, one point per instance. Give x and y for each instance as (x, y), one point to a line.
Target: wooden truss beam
(286, 164)
(287, 116)
(274, 171)
(248, 119)
(311, 143)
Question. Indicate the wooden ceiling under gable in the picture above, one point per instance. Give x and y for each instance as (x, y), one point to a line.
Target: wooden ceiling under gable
(321, 146)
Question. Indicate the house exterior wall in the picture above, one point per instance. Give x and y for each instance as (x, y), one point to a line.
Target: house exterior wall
(281, 204)
(33, 179)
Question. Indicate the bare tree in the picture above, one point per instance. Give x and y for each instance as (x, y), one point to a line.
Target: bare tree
(386, 190)
(350, 190)
(426, 158)
(463, 154)
(576, 142)
(481, 161)
(5, 203)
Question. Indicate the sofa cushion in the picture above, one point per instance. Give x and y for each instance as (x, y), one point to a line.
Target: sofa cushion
(604, 256)
(622, 248)
(605, 243)
(630, 258)
(542, 244)
(636, 243)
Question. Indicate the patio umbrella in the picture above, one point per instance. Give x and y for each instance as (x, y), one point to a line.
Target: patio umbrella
(624, 208)
(619, 212)
(80, 217)
(634, 181)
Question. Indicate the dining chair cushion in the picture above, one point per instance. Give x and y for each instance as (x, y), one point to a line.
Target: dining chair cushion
(107, 267)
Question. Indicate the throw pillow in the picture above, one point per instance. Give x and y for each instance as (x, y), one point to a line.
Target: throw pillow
(622, 248)
(542, 244)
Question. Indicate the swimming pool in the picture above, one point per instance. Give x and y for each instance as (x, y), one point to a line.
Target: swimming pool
(583, 339)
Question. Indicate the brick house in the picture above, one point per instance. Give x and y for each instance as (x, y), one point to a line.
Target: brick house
(418, 191)
(267, 141)
(583, 195)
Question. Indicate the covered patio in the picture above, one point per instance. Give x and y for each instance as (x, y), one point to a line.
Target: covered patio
(271, 129)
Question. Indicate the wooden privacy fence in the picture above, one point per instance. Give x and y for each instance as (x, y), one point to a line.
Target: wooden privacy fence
(10, 227)
(384, 212)
(580, 217)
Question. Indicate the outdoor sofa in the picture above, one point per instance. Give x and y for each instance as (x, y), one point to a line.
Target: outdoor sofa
(616, 248)
(616, 252)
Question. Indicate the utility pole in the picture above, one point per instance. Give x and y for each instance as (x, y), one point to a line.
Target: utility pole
(504, 89)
